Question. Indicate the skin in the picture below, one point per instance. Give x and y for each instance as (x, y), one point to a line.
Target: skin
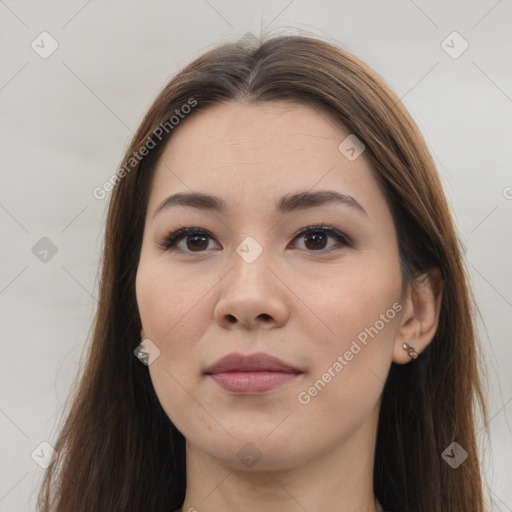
(297, 302)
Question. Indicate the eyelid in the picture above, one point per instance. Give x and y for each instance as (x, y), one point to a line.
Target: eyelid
(180, 232)
(333, 232)
(184, 231)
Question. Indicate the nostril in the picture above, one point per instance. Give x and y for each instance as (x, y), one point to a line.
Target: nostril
(231, 318)
(265, 317)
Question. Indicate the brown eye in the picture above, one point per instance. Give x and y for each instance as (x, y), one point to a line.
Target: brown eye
(196, 242)
(187, 240)
(316, 238)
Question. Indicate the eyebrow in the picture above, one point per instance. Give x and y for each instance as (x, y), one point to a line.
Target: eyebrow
(288, 203)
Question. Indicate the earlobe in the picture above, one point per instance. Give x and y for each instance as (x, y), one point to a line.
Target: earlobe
(420, 318)
(142, 334)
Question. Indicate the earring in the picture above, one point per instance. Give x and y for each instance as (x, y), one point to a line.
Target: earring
(412, 353)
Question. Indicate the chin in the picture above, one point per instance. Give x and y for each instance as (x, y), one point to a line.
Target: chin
(252, 449)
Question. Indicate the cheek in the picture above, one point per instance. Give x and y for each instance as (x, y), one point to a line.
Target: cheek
(171, 302)
(353, 299)
(361, 309)
(351, 365)
(173, 310)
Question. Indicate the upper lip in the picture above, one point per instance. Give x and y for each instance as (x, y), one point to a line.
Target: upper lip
(259, 362)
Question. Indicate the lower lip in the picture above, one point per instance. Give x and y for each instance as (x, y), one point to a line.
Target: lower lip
(252, 382)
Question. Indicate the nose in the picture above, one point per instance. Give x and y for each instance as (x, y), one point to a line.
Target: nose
(252, 295)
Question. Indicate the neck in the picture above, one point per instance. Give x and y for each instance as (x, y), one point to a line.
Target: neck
(340, 480)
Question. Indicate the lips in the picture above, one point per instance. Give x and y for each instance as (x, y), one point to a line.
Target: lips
(259, 362)
(249, 374)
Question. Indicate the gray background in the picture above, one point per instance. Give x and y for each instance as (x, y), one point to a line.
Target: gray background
(67, 119)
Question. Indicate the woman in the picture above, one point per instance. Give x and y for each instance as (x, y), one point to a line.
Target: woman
(284, 318)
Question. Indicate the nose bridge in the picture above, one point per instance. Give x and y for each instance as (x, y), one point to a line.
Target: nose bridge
(251, 290)
(250, 264)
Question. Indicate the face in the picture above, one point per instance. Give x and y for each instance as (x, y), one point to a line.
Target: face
(312, 280)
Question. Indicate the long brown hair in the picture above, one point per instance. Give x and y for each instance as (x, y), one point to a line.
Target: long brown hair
(118, 450)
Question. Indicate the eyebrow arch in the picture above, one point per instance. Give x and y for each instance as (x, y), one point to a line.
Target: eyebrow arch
(287, 203)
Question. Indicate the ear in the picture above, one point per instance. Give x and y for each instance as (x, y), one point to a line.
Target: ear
(419, 321)
(142, 334)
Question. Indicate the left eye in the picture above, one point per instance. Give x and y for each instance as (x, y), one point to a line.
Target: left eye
(316, 236)
(196, 239)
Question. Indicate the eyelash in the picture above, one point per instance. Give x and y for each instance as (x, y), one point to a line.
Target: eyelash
(172, 238)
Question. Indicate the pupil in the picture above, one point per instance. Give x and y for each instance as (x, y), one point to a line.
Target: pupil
(198, 241)
(196, 238)
(316, 236)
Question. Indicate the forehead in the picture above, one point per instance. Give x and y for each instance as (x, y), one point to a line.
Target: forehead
(252, 133)
(255, 153)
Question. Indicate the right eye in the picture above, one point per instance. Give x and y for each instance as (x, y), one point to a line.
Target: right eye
(188, 240)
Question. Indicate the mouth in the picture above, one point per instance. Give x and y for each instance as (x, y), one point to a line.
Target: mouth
(251, 374)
